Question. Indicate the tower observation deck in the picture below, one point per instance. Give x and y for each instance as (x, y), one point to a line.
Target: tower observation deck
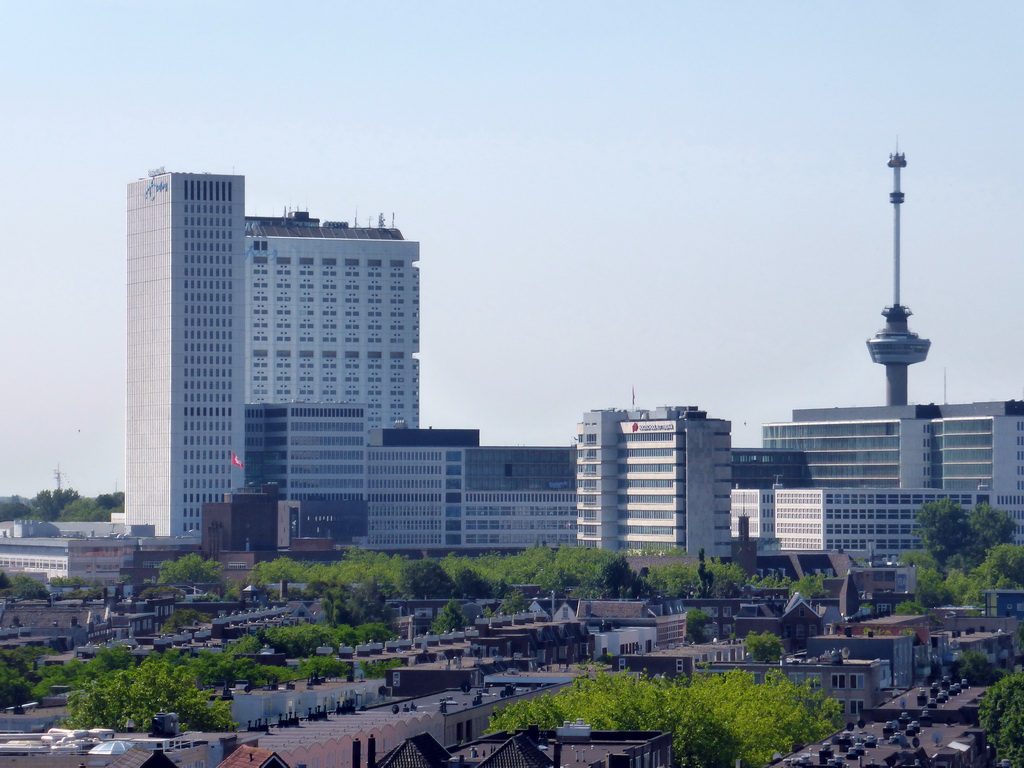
(896, 346)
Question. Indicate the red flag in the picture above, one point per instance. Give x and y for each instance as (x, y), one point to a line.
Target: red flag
(235, 461)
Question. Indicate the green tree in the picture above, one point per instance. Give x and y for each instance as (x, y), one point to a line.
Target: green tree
(705, 578)
(47, 505)
(84, 510)
(976, 667)
(1002, 714)
(943, 525)
(812, 585)
(27, 588)
(514, 602)
(620, 580)
(184, 617)
(298, 641)
(14, 510)
(910, 608)
(715, 719)
(1003, 567)
(324, 666)
(472, 585)
(191, 569)
(964, 588)
(374, 670)
(932, 590)
(425, 578)
(987, 528)
(450, 618)
(766, 648)
(156, 685)
(114, 502)
(696, 625)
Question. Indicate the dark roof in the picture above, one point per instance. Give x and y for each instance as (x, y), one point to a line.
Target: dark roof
(930, 411)
(137, 757)
(262, 228)
(420, 751)
(517, 752)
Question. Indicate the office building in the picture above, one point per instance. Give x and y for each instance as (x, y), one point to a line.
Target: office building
(872, 523)
(958, 447)
(333, 316)
(440, 489)
(768, 467)
(654, 480)
(870, 470)
(310, 451)
(186, 346)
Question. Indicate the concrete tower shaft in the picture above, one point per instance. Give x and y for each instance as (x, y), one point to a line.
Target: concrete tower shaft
(896, 346)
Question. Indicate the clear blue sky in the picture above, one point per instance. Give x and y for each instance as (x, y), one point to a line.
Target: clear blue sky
(686, 198)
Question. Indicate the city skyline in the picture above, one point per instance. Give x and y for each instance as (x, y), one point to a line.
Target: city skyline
(685, 200)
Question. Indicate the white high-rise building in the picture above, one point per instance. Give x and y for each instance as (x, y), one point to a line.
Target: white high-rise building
(654, 480)
(334, 316)
(186, 338)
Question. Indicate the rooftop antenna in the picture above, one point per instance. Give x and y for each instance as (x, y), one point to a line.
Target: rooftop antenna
(895, 346)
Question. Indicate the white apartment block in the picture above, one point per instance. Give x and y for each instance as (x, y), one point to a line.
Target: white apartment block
(654, 480)
(333, 316)
(876, 523)
(186, 346)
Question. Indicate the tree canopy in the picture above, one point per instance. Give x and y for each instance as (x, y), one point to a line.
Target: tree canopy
(959, 539)
(1002, 714)
(191, 569)
(156, 685)
(715, 719)
(766, 648)
(450, 618)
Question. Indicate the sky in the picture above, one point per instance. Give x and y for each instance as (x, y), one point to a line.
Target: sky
(689, 201)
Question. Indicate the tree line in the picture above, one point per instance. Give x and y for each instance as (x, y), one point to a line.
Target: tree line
(62, 505)
(715, 719)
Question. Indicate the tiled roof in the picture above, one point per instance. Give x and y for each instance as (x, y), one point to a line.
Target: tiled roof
(137, 757)
(517, 752)
(420, 751)
(252, 757)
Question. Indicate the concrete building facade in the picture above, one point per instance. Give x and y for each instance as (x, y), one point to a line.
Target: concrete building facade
(333, 316)
(186, 346)
(654, 480)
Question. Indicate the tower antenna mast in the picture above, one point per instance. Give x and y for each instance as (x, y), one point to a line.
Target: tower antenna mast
(895, 346)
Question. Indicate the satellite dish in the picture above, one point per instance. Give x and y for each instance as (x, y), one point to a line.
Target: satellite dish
(861, 723)
(916, 742)
(394, 709)
(465, 686)
(846, 653)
